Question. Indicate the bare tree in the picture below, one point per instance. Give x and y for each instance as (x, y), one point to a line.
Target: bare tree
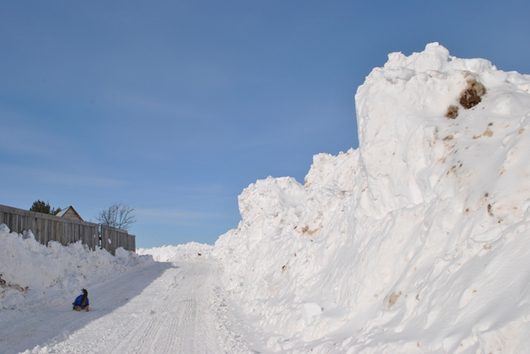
(118, 215)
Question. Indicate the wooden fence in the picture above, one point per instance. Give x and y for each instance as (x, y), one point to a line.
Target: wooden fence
(47, 228)
(112, 238)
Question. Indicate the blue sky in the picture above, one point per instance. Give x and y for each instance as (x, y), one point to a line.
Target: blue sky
(173, 107)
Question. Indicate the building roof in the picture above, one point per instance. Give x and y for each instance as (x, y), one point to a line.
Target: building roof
(63, 212)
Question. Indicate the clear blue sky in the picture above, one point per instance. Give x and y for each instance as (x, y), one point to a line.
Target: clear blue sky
(173, 107)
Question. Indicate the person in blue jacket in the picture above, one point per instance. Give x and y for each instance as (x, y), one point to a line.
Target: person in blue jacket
(81, 302)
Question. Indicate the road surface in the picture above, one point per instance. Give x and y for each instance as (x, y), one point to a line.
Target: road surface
(162, 308)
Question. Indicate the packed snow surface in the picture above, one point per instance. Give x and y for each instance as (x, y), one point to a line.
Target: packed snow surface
(136, 305)
(418, 241)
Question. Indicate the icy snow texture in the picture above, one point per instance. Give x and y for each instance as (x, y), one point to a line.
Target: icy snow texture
(54, 273)
(416, 242)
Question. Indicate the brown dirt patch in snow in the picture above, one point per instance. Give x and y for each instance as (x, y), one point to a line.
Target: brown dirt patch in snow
(393, 298)
(4, 284)
(452, 112)
(471, 96)
(305, 230)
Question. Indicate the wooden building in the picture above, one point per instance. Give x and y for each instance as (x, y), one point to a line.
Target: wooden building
(70, 214)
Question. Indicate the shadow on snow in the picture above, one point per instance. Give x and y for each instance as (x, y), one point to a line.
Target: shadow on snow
(24, 330)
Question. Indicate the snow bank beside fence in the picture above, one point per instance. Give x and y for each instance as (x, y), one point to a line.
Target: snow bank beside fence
(32, 272)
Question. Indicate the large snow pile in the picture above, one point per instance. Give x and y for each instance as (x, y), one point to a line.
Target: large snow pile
(419, 241)
(31, 273)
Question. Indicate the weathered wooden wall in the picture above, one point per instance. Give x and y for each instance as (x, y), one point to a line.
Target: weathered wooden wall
(52, 228)
(112, 238)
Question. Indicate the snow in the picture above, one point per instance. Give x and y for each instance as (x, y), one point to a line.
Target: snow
(160, 308)
(191, 251)
(55, 271)
(417, 242)
(136, 304)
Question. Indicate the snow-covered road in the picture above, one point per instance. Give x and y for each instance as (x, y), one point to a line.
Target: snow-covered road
(162, 308)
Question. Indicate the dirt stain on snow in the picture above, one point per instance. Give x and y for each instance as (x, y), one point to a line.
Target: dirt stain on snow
(393, 298)
(305, 230)
(471, 96)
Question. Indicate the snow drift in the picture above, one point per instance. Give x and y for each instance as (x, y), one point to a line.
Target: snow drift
(32, 273)
(189, 252)
(418, 241)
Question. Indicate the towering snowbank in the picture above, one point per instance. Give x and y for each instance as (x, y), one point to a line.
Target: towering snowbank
(416, 242)
(32, 273)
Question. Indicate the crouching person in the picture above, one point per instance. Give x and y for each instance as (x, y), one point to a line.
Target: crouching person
(81, 302)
